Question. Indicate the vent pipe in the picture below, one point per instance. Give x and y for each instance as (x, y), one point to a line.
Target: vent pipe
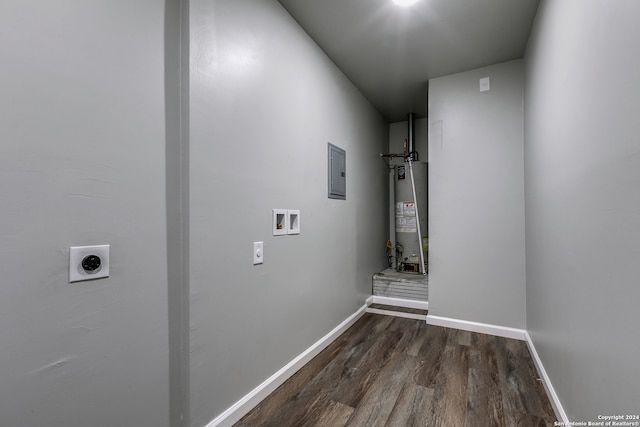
(413, 154)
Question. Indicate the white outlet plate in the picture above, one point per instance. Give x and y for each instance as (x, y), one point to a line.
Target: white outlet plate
(78, 253)
(258, 253)
(485, 84)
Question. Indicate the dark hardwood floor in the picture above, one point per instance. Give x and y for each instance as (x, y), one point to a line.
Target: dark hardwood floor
(393, 371)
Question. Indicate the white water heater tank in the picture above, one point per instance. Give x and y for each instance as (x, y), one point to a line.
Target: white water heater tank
(407, 210)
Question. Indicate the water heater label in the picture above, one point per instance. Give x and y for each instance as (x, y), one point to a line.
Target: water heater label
(406, 221)
(409, 209)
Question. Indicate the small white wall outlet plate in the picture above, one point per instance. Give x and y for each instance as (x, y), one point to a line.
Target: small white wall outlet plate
(88, 262)
(258, 252)
(485, 84)
(280, 222)
(294, 221)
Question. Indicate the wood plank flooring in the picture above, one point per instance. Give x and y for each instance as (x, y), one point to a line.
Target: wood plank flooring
(393, 371)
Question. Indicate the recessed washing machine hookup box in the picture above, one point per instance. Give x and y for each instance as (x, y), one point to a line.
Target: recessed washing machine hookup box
(294, 221)
(280, 222)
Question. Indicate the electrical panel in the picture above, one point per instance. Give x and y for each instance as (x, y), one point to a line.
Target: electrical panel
(337, 173)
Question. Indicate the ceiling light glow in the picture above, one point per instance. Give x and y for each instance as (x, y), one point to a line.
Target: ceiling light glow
(405, 3)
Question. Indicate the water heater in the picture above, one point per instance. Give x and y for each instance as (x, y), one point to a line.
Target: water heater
(408, 212)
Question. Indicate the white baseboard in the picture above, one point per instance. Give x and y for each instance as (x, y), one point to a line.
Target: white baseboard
(553, 397)
(483, 328)
(398, 302)
(251, 400)
(397, 314)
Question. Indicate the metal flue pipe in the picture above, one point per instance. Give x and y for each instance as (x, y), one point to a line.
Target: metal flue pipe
(411, 132)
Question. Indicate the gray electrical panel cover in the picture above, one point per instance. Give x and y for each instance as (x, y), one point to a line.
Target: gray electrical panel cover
(337, 173)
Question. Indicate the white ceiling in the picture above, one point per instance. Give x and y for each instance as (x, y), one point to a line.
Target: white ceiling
(390, 52)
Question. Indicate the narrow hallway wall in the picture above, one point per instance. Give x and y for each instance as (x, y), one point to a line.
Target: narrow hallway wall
(82, 163)
(476, 196)
(582, 171)
(265, 101)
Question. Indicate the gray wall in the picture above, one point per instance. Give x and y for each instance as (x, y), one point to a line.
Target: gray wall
(265, 101)
(582, 163)
(398, 133)
(82, 162)
(476, 196)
